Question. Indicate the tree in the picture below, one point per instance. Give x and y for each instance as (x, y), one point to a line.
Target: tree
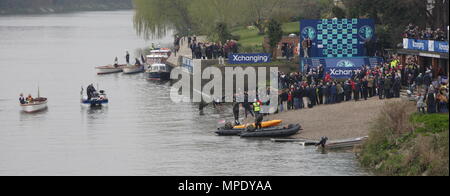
(393, 16)
(274, 33)
(222, 32)
(154, 18)
(338, 12)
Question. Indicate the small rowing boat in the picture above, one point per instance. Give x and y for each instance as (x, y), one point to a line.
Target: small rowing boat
(133, 69)
(34, 104)
(38, 104)
(343, 144)
(109, 69)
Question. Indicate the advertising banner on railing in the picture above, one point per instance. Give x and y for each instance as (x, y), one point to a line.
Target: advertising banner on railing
(249, 58)
(187, 63)
(425, 45)
(441, 47)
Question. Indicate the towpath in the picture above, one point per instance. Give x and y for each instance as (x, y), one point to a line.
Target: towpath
(184, 50)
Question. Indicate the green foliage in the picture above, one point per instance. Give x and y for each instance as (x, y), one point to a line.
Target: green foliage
(274, 33)
(394, 16)
(154, 18)
(338, 12)
(432, 123)
(389, 151)
(251, 41)
(222, 32)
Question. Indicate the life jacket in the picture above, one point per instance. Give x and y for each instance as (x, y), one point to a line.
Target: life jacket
(256, 107)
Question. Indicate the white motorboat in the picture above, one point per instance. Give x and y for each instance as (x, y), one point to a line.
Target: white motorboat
(156, 59)
(38, 104)
(109, 69)
(162, 51)
(159, 72)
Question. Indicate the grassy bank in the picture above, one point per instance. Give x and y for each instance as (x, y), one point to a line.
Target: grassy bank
(404, 143)
(250, 39)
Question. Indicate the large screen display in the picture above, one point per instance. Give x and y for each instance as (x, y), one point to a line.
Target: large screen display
(337, 38)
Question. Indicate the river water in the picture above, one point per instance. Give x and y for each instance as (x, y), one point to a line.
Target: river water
(142, 132)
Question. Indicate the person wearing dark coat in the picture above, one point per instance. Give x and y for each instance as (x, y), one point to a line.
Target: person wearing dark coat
(90, 90)
(387, 88)
(314, 98)
(320, 93)
(396, 87)
(309, 78)
(22, 99)
(301, 94)
(427, 80)
(348, 91)
(127, 57)
(283, 100)
(296, 97)
(365, 89)
(236, 113)
(246, 106)
(326, 93)
(333, 93)
(357, 90)
(380, 87)
(311, 96)
(258, 121)
(431, 103)
(142, 59)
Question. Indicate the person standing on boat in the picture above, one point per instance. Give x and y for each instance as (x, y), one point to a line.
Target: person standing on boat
(142, 59)
(236, 113)
(116, 62)
(22, 99)
(256, 107)
(138, 63)
(90, 91)
(127, 57)
(258, 116)
(246, 105)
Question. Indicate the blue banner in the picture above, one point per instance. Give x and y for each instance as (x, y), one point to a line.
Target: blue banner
(337, 38)
(415, 44)
(425, 45)
(188, 64)
(343, 67)
(249, 58)
(340, 72)
(441, 47)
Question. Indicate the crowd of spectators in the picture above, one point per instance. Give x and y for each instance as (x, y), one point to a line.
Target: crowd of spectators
(414, 32)
(209, 50)
(316, 87)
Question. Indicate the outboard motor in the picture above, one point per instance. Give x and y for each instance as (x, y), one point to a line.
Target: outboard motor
(323, 142)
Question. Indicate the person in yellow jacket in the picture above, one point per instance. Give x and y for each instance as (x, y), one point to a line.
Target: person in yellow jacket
(257, 107)
(395, 63)
(258, 116)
